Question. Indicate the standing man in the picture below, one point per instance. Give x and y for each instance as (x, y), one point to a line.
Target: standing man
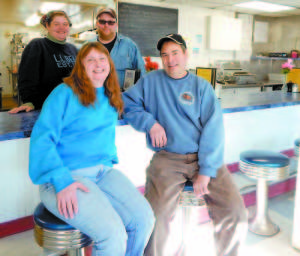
(182, 119)
(123, 50)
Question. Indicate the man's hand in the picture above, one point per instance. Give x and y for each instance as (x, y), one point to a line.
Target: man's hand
(67, 199)
(200, 184)
(19, 109)
(158, 136)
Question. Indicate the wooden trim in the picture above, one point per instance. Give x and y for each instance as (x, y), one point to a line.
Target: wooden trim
(16, 226)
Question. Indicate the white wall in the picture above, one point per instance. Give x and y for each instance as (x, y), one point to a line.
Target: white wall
(192, 25)
(283, 35)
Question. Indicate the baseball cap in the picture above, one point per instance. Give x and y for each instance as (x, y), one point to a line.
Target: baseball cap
(176, 38)
(110, 11)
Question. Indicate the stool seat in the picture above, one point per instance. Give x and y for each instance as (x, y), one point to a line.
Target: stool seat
(187, 196)
(46, 219)
(261, 164)
(55, 235)
(264, 158)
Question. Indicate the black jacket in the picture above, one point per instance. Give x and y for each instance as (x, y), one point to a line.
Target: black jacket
(43, 66)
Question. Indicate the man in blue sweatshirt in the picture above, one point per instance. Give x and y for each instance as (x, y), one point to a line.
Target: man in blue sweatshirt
(182, 119)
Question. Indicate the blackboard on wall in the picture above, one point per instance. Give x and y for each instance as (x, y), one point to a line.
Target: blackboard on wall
(145, 25)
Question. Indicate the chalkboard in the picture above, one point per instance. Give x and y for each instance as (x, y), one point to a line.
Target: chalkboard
(145, 25)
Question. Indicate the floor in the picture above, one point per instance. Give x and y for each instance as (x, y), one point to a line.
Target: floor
(200, 241)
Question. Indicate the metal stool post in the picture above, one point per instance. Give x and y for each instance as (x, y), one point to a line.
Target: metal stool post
(187, 200)
(261, 223)
(263, 166)
(296, 220)
(297, 148)
(57, 237)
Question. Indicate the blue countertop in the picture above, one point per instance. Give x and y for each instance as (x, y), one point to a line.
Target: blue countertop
(20, 125)
(256, 101)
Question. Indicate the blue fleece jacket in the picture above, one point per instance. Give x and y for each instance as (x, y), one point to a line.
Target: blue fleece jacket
(188, 110)
(69, 136)
(125, 55)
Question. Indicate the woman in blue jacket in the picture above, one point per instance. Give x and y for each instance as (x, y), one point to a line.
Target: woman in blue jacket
(72, 151)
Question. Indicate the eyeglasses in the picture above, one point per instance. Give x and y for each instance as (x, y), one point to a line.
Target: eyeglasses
(109, 22)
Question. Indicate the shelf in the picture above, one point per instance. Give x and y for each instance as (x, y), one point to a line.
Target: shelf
(272, 58)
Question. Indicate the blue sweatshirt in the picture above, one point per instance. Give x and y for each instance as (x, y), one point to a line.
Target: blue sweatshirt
(187, 109)
(69, 136)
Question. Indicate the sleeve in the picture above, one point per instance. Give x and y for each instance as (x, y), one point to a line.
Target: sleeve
(211, 145)
(139, 61)
(45, 163)
(134, 110)
(29, 72)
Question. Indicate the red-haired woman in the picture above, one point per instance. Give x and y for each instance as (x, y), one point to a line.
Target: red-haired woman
(45, 62)
(72, 151)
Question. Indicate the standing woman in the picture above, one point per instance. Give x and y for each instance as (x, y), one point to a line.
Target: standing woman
(72, 151)
(45, 62)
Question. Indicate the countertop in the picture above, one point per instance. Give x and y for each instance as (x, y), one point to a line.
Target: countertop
(20, 125)
(258, 84)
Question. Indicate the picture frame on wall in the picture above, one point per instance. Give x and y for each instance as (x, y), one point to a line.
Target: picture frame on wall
(131, 77)
(208, 74)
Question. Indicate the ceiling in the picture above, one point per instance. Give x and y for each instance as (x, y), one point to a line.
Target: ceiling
(16, 11)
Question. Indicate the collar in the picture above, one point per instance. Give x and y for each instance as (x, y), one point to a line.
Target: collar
(51, 38)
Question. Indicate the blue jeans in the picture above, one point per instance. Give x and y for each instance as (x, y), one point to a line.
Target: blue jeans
(113, 213)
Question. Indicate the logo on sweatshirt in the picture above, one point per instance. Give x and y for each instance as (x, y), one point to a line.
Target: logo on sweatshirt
(187, 98)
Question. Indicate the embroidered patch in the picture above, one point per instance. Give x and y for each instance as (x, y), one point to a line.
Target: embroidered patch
(187, 98)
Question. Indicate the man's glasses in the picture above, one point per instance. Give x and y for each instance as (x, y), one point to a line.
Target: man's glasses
(109, 22)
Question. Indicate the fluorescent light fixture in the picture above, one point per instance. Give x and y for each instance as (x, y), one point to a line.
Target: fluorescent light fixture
(33, 20)
(49, 6)
(264, 6)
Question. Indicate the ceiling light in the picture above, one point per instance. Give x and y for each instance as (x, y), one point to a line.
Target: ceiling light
(49, 6)
(264, 6)
(33, 20)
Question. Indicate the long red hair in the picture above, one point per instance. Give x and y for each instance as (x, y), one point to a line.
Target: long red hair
(82, 85)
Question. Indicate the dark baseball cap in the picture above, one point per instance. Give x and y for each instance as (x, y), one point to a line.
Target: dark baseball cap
(176, 38)
(109, 11)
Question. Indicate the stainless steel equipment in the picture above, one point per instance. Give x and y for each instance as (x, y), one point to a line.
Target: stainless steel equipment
(232, 73)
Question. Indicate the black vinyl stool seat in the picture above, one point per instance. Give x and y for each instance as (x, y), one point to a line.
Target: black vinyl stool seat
(54, 235)
(263, 166)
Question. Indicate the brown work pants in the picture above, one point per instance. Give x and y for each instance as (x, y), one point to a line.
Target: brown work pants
(166, 176)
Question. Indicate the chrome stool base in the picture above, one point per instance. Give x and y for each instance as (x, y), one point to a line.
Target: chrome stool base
(261, 223)
(263, 227)
(187, 200)
(57, 237)
(263, 166)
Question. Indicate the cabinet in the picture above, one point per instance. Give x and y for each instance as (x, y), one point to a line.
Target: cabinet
(224, 33)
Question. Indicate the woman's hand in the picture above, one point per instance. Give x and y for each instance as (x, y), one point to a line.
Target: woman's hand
(67, 199)
(21, 108)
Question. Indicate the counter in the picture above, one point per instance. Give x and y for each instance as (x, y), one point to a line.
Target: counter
(261, 86)
(265, 120)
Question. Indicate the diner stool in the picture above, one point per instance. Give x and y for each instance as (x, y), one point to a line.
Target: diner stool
(187, 200)
(57, 237)
(263, 166)
(296, 149)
